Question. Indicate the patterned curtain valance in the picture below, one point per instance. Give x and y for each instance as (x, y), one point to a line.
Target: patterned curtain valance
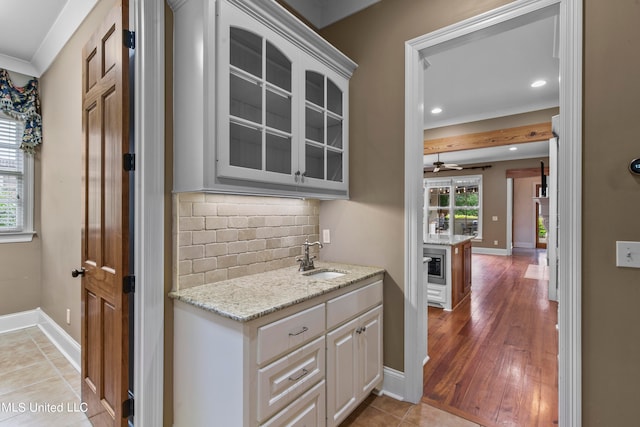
(22, 103)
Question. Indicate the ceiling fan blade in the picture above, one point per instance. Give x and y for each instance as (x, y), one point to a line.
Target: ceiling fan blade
(456, 167)
(436, 169)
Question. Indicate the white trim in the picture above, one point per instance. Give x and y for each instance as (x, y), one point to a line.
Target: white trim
(570, 316)
(21, 320)
(490, 251)
(524, 245)
(17, 237)
(69, 347)
(148, 23)
(392, 383)
(509, 216)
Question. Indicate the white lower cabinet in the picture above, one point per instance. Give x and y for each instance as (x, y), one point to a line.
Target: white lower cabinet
(282, 369)
(354, 364)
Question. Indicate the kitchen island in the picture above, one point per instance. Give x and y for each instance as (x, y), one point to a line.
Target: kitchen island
(279, 346)
(448, 279)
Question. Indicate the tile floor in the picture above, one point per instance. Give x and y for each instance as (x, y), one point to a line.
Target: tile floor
(38, 386)
(382, 411)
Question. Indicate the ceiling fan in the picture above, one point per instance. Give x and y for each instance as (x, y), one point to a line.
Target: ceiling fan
(437, 165)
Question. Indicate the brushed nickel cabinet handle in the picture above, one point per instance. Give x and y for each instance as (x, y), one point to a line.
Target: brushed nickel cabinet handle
(301, 331)
(302, 373)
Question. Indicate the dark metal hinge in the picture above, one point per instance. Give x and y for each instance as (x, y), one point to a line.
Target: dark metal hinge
(129, 284)
(129, 39)
(127, 408)
(129, 162)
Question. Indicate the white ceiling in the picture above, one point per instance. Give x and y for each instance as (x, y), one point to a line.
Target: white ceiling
(322, 13)
(29, 46)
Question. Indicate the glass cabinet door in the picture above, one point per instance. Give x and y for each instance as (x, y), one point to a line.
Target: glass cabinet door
(324, 155)
(259, 81)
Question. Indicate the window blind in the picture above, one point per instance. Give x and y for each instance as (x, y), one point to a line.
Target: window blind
(11, 176)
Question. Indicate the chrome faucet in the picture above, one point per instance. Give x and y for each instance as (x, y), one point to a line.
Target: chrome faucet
(306, 262)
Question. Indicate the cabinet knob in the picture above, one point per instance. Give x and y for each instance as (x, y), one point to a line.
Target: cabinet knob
(296, 176)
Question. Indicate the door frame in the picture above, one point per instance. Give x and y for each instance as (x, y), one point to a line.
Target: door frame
(570, 184)
(147, 20)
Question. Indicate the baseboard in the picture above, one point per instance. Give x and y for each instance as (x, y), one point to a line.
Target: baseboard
(524, 245)
(393, 383)
(58, 336)
(15, 321)
(489, 251)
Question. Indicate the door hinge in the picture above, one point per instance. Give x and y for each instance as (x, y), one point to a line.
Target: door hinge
(129, 162)
(128, 284)
(127, 408)
(129, 39)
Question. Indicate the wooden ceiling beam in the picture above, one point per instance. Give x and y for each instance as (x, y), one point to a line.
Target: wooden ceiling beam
(494, 138)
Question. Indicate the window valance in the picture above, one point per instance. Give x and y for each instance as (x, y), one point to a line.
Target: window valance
(22, 103)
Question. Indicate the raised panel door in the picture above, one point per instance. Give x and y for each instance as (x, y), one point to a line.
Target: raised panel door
(342, 372)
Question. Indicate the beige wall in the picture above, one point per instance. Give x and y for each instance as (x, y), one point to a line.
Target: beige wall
(375, 39)
(61, 156)
(611, 318)
(611, 202)
(524, 212)
(20, 264)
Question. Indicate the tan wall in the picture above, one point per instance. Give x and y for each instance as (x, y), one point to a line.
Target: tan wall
(222, 237)
(20, 264)
(611, 202)
(610, 295)
(494, 197)
(369, 229)
(61, 158)
(524, 212)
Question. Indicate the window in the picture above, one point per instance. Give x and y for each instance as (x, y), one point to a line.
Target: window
(453, 206)
(16, 184)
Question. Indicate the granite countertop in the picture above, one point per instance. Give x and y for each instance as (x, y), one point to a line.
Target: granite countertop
(447, 240)
(250, 297)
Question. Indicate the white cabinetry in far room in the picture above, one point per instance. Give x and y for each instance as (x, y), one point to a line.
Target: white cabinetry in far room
(260, 102)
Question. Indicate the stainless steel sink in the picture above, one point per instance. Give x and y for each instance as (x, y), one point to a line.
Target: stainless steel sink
(324, 274)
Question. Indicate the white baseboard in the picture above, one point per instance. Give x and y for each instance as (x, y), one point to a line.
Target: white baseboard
(489, 251)
(393, 383)
(58, 336)
(524, 245)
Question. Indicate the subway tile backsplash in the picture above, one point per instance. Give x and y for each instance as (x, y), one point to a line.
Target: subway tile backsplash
(219, 237)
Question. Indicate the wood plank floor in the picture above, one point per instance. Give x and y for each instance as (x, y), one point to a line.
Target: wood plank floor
(494, 359)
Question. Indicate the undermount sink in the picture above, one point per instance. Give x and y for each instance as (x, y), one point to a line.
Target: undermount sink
(324, 274)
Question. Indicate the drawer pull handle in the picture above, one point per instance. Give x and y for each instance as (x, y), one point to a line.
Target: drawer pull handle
(301, 331)
(302, 373)
(361, 330)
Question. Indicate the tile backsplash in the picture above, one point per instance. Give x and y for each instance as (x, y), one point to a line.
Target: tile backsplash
(219, 237)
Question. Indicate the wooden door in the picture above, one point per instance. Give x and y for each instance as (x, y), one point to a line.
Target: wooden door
(105, 228)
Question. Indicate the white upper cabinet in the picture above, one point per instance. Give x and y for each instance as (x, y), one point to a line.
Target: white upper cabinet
(271, 101)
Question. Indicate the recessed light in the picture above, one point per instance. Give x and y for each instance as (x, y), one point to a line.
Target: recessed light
(513, 148)
(539, 83)
(436, 110)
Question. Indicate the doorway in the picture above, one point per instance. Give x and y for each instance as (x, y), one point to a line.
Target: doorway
(570, 17)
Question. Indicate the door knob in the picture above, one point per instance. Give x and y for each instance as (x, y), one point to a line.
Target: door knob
(76, 272)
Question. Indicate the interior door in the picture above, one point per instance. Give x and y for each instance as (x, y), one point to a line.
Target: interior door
(105, 228)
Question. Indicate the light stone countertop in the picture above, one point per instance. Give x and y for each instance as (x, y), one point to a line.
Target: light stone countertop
(447, 240)
(250, 297)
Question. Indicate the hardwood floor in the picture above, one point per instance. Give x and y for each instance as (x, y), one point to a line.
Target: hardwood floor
(493, 359)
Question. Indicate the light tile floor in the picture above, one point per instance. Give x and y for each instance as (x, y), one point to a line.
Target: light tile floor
(38, 386)
(382, 411)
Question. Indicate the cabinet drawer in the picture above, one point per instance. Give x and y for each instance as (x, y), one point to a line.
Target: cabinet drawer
(348, 305)
(306, 411)
(290, 332)
(436, 293)
(283, 381)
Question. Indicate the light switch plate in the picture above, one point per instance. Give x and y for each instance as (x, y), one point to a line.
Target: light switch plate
(326, 236)
(494, 218)
(628, 254)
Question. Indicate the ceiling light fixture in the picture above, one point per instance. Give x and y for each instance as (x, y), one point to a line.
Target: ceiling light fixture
(436, 110)
(539, 83)
(513, 148)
